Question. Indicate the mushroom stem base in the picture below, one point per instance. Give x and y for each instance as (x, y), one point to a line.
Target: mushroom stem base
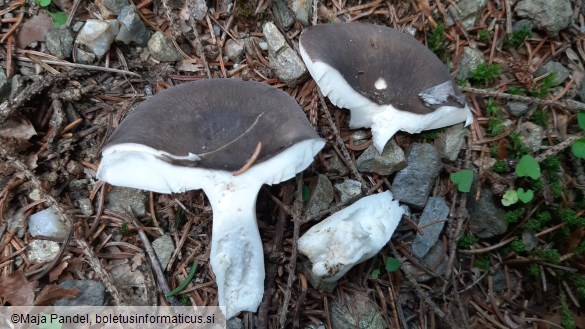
(237, 257)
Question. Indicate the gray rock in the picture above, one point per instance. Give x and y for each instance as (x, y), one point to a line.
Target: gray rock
(486, 218)
(522, 23)
(89, 293)
(349, 189)
(500, 282)
(120, 199)
(199, 9)
(132, 29)
(531, 135)
(560, 72)
(530, 240)
(548, 15)
(98, 35)
(516, 109)
(235, 323)
(302, 10)
(86, 206)
(282, 14)
(164, 248)
(435, 260)
(42, 251)
(4, 86)
(391, 160)
(59, 42)
(450, 141)
(162, 48)
(286, 63)
(581, 90)
(467, 11)
(321, 197)
(85, 57)
(224, 6)
(336, 166)
(46, 223)
(470, 60)
(114, 6)
(356, 310)
(16, 85)
(413, 184)
(234, 49)
(431, 222)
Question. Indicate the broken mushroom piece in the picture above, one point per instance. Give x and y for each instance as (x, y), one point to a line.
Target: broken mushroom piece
(387, 79)
(197, 136)
(350, 236)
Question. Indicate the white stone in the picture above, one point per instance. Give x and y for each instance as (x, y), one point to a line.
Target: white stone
(46, 223)
(350, 236)
(98, 35)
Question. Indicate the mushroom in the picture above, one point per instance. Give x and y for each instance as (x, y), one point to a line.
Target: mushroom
(350, 236)
(387, 79)
(197, 136)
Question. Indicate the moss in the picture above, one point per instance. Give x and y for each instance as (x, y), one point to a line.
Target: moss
(485, 74)
(516, 38)
(513, 216)
(500, 167)
(467, 241)
(436, 39)
(517, 246)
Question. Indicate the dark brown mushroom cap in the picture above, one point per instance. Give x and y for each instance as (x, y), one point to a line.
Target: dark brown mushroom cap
(363, 53)
(220, 120)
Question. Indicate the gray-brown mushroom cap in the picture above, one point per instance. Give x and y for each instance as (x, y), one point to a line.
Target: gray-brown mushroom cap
(387, 79)
(365, 54)
(216, 124)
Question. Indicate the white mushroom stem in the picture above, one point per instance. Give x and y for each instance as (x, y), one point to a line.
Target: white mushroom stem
(350, 236)
(236, 256)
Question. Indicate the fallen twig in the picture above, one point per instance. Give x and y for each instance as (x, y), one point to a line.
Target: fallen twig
(568, 104)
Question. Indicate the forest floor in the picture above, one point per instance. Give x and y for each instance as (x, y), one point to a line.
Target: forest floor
(59, 115)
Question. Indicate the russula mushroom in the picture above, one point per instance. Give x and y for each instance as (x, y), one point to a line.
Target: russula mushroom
(350, 236)
(197, 136)
(387, 79)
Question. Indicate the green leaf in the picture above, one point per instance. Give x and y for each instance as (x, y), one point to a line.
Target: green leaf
(528, 167)
(578, 148)
(375, 274)
(525, 196)
(184, 283)
(43, 3)
(509, 198)
(59, 18)
(581, 120)
(462, 179)
(392, 264)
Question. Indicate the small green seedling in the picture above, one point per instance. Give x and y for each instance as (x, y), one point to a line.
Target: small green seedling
(510, 198)
(462, 179)
(578, 147)
(528, 167)
(525, 196)
(392, 265)
(59, 18)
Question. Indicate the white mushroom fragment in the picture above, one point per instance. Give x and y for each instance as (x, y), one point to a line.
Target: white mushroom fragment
(387, 79)
(350, 236)
(196, 136)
